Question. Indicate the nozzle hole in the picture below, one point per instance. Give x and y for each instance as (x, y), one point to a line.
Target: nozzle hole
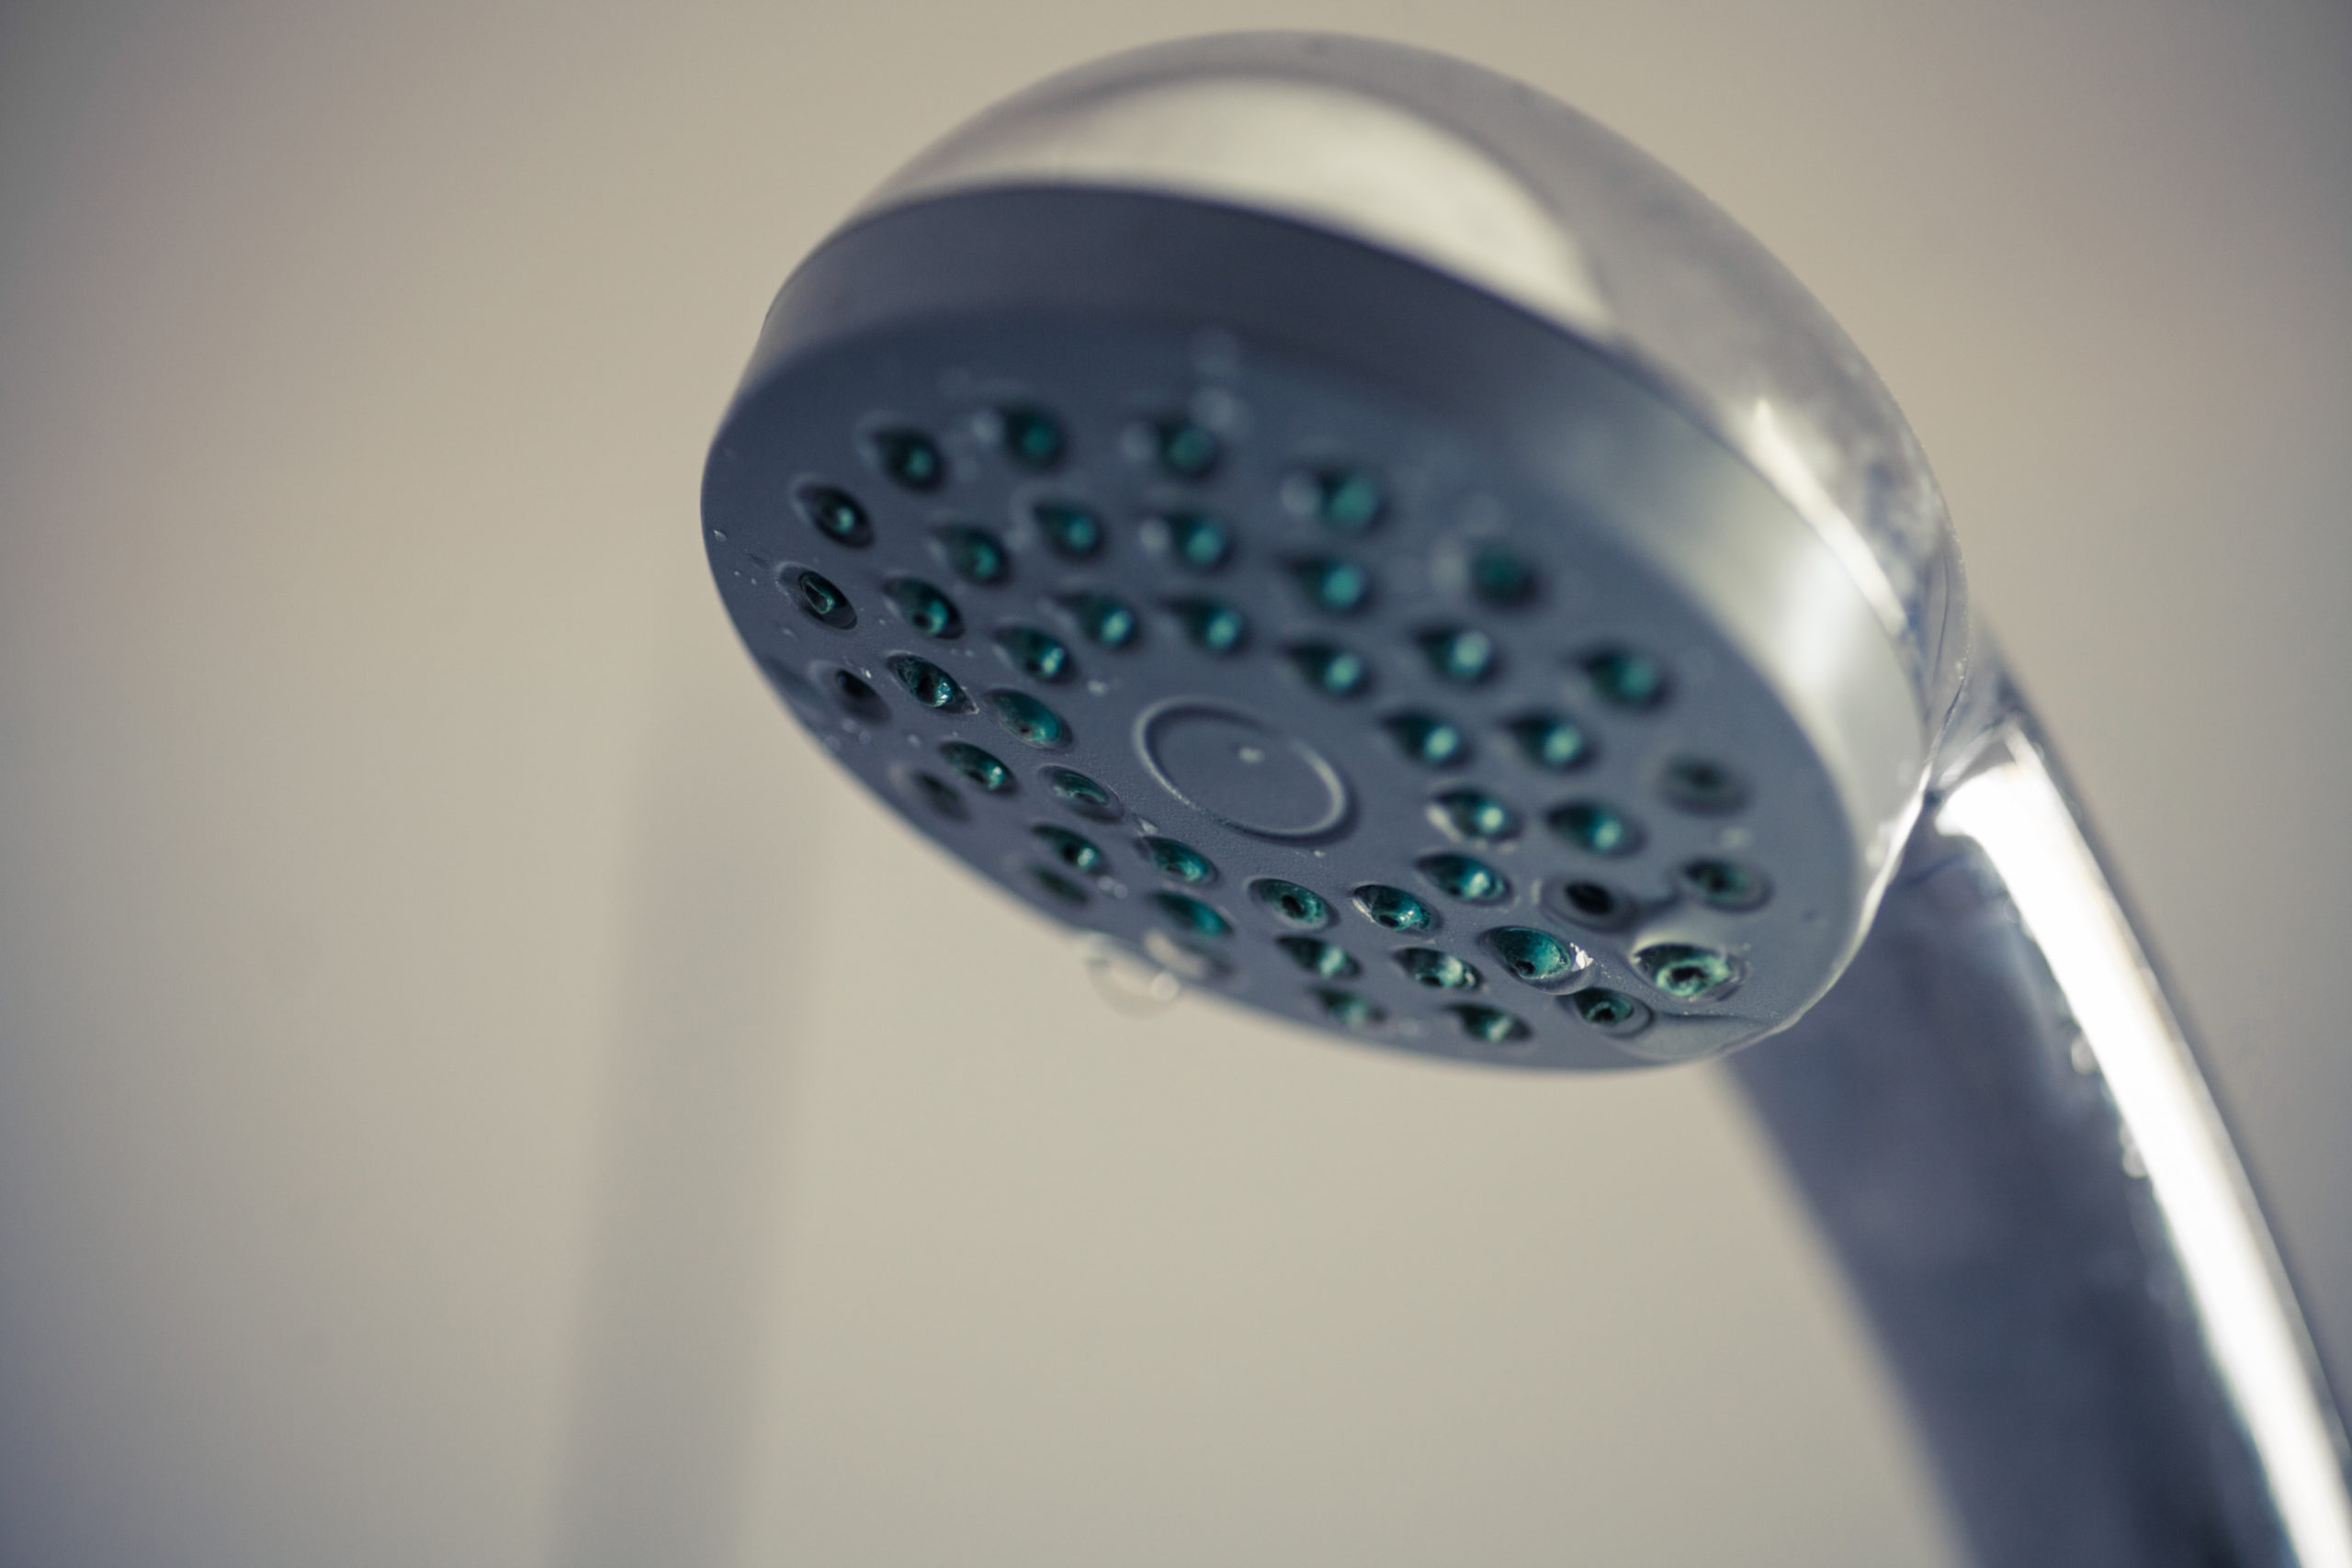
(1107, 622)
(1039, 655)
(928, 684)
(855, 698)
(1501, 581)
(1702, 786)
(1075, 850)
(1614, 1012)
(1630, 682)
(1536, 957)
(1462, 656)
(1595, 827)
(1174, 859)
(973, 554)
(1184, 448)
(1082, 794)
(1190, 917)
(981, 767)
(938, 794)
(835, 513)
(1475, 817)
(1029, 721)
(1196, 541)
(1490, 1026)
(1331, 670)
(1291, 904)
(1211, 625)
(1328, 960)
(1461, 877)
(1726, 884)
(925, 608)
(910, 458)
(1345, 500)
(1350, 1011)
(1071, 531)
(1439, 970)
(1594, 903)
(1332, 584)
(821, 600)
(1684, 971)
(1428, 740)
(1393, 909)
(1552, 741)
(1061, 888)
(1031, 437)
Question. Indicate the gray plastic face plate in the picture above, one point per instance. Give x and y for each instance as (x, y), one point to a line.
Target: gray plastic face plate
(1348, 622)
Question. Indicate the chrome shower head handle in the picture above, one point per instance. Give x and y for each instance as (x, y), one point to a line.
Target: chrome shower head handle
(1359, 537)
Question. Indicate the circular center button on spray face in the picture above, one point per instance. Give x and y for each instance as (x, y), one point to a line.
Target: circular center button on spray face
(1241, 773)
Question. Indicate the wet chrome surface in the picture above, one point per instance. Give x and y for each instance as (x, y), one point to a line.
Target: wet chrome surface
(2004, 1132)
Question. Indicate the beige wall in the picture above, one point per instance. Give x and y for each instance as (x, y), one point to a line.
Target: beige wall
(474, 1089)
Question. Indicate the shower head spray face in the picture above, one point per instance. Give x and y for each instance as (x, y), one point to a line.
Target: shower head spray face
(1361, 539)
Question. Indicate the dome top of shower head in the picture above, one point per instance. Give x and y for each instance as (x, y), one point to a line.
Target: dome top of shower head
(1481, 176)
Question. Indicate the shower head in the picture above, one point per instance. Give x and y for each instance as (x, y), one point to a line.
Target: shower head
(1364, 539)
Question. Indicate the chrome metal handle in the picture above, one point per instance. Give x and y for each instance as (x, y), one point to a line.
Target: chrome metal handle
(2002, 1129)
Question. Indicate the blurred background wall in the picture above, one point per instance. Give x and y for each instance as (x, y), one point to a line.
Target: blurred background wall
(474, 1087)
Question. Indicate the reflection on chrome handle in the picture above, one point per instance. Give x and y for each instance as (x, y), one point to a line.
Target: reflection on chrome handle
(2002, 1131)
